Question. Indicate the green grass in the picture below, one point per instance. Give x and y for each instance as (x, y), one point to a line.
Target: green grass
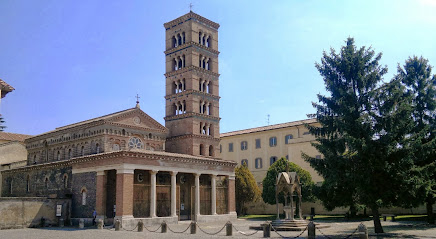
(339, 218)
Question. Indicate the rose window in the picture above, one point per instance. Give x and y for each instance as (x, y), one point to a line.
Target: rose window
(135, 143)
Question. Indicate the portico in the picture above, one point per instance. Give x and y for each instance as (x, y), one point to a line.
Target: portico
(158, 186)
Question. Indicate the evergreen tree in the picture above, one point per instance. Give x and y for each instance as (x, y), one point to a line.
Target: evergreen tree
(363, 125)
(246, 188)
(420, 87)
(269, 182)
(1, 123)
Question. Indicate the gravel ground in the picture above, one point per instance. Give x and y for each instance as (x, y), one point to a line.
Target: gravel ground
(336, 230)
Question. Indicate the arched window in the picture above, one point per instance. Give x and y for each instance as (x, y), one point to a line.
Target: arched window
(97, 149)
(65, 179)
(288, 138)
(115, 147)
(82, 151)
(135, 143)
(221, 148)
(58, 157)
(272, 160)
(244, 162)
(258, 162)
(201, 149)
(84, 192)
(46, 183)
(70, 154)
(244, 145)
(273, 141)
(28, 183)
(34, 159)
(210, 150)
(10, 185)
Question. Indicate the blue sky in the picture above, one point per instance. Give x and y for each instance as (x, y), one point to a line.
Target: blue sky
(70, 61)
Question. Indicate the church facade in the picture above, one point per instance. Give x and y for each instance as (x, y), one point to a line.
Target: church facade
(126, 165)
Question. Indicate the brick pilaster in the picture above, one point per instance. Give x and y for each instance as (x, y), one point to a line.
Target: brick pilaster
(124, 195)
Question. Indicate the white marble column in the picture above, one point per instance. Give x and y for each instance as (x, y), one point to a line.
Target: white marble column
(292, 206)
(197, 195)
(213, 182)
(173, 194)
(153, 193)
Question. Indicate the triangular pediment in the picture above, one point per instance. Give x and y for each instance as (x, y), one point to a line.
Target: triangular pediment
(138, 119)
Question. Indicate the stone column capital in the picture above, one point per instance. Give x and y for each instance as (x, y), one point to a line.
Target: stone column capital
(174, 173)
(154, 172)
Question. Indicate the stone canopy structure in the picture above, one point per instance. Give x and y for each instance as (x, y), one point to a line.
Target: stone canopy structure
(288, 183)
(126, 165)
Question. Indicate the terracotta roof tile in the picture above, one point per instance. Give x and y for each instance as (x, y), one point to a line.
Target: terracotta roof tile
(269, 127)
(13, 137)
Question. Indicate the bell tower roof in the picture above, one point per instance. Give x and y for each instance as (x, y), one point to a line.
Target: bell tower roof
(190, 16)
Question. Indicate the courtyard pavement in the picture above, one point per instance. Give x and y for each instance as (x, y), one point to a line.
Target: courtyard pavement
(336, 230)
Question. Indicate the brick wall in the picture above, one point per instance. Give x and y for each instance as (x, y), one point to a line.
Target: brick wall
(86, 182)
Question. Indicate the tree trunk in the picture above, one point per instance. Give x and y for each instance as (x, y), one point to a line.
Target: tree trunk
(376, 217)
(430, 215)
(353, 211)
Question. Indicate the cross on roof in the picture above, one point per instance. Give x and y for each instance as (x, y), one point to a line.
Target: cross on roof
(190, 7)
(137, 98)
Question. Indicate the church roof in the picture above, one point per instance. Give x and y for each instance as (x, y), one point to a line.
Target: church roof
(269, 127)
(104, 118)
(13, 137)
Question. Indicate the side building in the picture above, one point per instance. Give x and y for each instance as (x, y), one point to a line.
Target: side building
(260, 147)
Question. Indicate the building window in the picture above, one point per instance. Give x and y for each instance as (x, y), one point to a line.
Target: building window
(115, 147)
(211, 153)
(46, 183)
(257, 143)
(244, 162)
(70, 154)
(10, 186)
(272, 160)
(84, 197)
(82, 151)
(288, 138)
(273, 141)
(58, 156)
(258, 163)
(97, 149)
(65, 181)
(318, 156)
(34, 159)
(135, 142)
(221, 148)
(306, 133)
(244, 145)
(230, 147)
(28, 184)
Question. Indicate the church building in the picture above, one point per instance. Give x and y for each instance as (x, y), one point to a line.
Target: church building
(126, 165)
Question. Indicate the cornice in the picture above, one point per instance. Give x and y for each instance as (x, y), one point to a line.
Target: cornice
(155, 155)
(187, 136)
(50, 165)
(188, 45)
(192, 114)
(191, 68)
(194, 92)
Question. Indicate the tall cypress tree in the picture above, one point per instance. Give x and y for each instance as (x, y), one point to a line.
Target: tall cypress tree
(362, 131)
(419, 86)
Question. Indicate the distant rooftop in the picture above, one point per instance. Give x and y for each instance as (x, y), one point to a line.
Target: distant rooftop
(13, 137)
(269, 127)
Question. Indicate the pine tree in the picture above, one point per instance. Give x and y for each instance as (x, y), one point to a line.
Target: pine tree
(1, 123)
(419, 85)
(363, 125)
(246, 188)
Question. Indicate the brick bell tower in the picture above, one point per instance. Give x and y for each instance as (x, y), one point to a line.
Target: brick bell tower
(192, 85)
